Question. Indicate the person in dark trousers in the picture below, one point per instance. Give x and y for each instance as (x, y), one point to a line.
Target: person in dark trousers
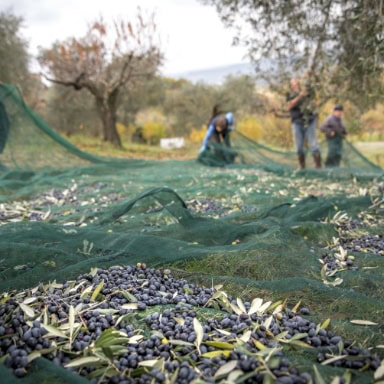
(303, 115)
(335, 132)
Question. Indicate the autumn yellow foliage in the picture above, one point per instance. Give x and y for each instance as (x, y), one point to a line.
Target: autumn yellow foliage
(153, 132)
(197, 135)
(250, 127)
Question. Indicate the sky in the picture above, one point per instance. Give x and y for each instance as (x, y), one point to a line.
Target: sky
(192, 35)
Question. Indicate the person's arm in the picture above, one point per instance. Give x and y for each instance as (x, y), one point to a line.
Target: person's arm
(208, 135)
(327, 127)
(296, 100)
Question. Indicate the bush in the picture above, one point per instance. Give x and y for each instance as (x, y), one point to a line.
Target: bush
(125, 131)
(197, 135)
(277, 132)
(153, 132)
(251, 128)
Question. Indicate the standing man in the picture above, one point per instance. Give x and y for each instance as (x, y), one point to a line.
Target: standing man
(301, 107)
(335, 132)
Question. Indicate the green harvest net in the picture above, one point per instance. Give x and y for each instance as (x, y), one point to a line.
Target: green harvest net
(257, 226)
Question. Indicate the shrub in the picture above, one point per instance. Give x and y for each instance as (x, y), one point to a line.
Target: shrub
(197, 135)
(153, 132)
(250, 127)
(277, 132)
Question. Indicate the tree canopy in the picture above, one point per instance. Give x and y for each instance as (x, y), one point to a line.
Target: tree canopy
(13, 50)
(108, 58)
(340, 41)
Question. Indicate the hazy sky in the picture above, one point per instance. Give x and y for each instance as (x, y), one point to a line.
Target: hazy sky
(193, 37)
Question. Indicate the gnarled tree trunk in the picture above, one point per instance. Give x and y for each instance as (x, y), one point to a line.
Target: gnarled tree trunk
(106, 106)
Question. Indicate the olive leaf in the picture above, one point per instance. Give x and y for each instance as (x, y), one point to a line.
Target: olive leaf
(179, 320)
(213, 354)
(132, 306)
(33, 355)
(53, 331)
(267, 323)
(128, 296)
(240, 304)
(83, 361)
(276, 307)
(97, 291)
(260, 346)
(71, 320)
(135, 339)
(325, 324)
(296, 307)
(318, 378)
(180, 342)
(246, 336)
(225, 369)
(379, 373)
(236, 309)
(223, 332)
(255, 305)
(27, 310)
(234, 375)
(155, 363)
(363, 322)
(333, 359)
(219, 344)
(199, 331)
(29, 300)
(108, 334)
(334, 283)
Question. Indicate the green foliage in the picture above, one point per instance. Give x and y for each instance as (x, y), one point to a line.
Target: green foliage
(140, 95)
(373, 121)
(242, 95)
(277, 132)
(153, 132)
(13, 51)
(250, 127)
(191, 105)
(71, 111)
(339, 41)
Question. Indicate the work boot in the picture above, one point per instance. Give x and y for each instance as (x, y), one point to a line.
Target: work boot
(317, 158)
(302, 161)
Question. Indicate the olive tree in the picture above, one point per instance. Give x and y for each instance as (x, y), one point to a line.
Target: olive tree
(14, 56)
(340, 43)
(108, 59)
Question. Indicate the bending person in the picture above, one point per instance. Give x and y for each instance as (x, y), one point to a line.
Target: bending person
(216, 146)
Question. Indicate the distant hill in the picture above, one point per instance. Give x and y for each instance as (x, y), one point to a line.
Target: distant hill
(215, 75)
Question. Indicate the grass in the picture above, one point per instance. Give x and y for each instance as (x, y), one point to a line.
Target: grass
(134, 150)
(372, 150)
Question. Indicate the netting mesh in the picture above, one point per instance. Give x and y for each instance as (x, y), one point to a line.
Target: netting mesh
(255, 226)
